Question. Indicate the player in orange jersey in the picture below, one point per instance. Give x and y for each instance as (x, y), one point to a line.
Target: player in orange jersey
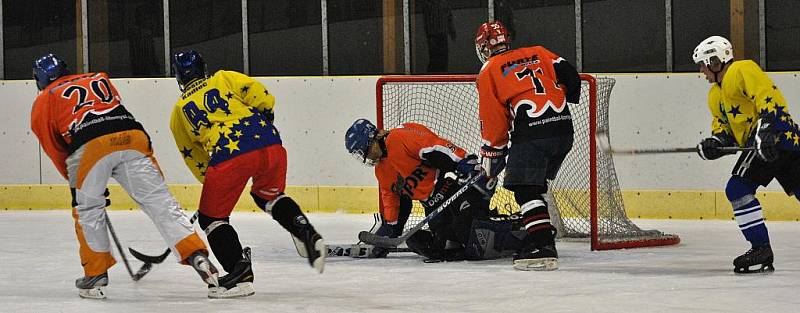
(524, 99)
(411, 163)
(90, 137)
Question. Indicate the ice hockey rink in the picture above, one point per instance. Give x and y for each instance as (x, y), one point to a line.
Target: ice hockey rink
(40, 263)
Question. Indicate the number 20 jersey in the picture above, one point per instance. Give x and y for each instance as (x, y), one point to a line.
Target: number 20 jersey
(221, 117)
(75, 109)
(520, 95)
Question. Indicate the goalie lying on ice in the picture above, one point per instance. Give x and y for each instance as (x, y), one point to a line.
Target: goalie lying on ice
(412, 163)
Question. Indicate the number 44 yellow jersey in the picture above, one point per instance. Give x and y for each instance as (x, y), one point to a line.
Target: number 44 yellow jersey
(221, 117)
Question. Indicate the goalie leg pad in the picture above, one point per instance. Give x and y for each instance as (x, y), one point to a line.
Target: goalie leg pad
(223, 239)
(492, 239)
(424, 243)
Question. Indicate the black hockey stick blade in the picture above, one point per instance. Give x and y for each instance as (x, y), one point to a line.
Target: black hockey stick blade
(157, 258)
(380, 241)
(147, 258)
(387, 242)
(142, 271)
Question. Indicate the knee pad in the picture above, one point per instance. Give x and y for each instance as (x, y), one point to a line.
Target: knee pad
(287, 213)
(209, 224)
(740, 189)
(525, 194)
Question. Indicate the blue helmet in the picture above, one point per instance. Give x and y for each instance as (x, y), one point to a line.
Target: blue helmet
(188, 66)
(47, 69)
(358, 139)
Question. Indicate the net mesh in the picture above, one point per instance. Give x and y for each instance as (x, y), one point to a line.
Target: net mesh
(448, 105)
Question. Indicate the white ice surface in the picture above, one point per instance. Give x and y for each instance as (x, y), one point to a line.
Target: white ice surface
(39, 263)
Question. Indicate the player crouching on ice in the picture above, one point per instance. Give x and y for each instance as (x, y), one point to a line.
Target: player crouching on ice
(90, 137)
(411, 163)
(748, 110)
(223, 126)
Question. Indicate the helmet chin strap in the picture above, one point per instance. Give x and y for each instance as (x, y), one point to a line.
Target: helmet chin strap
(717, 78)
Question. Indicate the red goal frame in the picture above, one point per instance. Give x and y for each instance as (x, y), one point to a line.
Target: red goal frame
(596, 243)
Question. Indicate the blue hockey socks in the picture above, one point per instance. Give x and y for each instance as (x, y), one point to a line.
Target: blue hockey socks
(747, 210)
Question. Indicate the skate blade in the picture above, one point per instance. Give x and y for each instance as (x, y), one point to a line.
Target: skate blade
(543, 264)
(319, 263)
(765, 269)
(240, 290)
(93, 293)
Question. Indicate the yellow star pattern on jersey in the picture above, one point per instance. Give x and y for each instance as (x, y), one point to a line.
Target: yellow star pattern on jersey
(221, 117)
(745, 95)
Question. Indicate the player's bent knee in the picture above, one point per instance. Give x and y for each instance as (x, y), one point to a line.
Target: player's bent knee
(209, 224)
(261, 203)
(739, 188)
(529, 193)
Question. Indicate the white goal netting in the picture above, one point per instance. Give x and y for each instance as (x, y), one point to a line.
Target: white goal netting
(585, 198)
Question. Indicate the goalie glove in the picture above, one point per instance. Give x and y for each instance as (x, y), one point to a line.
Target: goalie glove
(386, 230)
(493, 160)
(468, 167)
(766, 141)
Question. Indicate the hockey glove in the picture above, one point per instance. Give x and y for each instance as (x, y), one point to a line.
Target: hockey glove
(708, 149)
(386, 230)
(468, 167)
(493, 160)
(766, 141)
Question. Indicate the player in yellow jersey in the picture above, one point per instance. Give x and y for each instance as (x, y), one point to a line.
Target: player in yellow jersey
(748, 110)
(223, 126)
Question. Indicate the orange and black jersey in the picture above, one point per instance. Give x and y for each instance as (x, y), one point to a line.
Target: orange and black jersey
(75, 109)
(414, 157)
(524, 93)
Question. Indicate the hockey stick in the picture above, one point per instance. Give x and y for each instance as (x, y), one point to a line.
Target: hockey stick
(358, 250)
(143, 270)
(604, 143)
(388, 242)
(148, 259)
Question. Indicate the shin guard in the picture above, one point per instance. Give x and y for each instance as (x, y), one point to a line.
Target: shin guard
(223, 239)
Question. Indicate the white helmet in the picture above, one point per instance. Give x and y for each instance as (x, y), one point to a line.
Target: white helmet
(714, 46)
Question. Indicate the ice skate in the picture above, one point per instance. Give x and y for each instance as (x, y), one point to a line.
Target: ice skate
(543, 258)
(761, 256)
(199, 261)
(238, 283)
(92, 287)
(310, 245)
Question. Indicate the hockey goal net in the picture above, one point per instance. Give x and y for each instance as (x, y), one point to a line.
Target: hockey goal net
(585, 198)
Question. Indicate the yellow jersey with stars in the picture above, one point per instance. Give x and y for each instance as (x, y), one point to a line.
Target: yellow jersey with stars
(745, 95)
(221, 117)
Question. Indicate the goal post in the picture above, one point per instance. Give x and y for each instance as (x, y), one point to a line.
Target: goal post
(585, 198)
